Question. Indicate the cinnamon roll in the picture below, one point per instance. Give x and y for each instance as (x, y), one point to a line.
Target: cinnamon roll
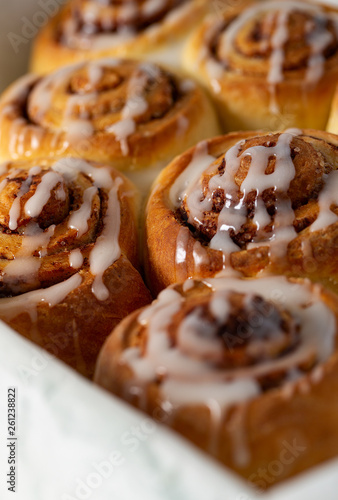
(268, 65)
(245, 369)
(90, 29)
(68, 244)
(133, 115)
(247, 204)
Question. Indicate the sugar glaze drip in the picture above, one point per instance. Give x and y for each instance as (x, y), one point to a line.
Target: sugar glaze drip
(123, 27)
(279, 13)
(185, 370)
(234, 216)
(28, 259)
(28, 302)
(274, 232)
(29, 109)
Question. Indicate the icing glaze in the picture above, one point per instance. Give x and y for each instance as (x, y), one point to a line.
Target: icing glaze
(35, 241)
(188, 377)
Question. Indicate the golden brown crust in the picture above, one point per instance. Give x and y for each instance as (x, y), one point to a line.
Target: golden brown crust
(131, 115)
(178, 244)
(290, 420)
(56, 291)
(268, 67)
(64, 39)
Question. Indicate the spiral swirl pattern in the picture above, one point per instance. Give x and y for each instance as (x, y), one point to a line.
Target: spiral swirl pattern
(88, 19)
(278, 38)
(249, 204)
(68, 235)
(268, 64)
(205, 352)
(91, 29)
(122, 112)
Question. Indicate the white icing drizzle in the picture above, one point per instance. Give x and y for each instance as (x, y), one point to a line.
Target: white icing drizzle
(60, 193)
(219, 306)
(151, 7)
(318, 40)
(35, 240)
(70, 167)
(181, 254)
(234, 213)
(228, 37)
(106, 250)
(125, 34)
(189, 379)
(328, 197)
(79, 129)
(35, 204)
(76, 124)
(15, 209)
(79, 219)
(28, 302)
(24, 137)
(195, 335)
(95, 73)
(317, 374)
(11, 103)
(135, 105)
(201, 258)
(46, 87)
(105, 41)
(199, 162)
(25, 265)
(76, 129)
(278, 40)
(25, 268)
(187, 86)
(174, 16)
(122, 130)
(188, 285)
(75, 259)
(240, 448)
(182, 126)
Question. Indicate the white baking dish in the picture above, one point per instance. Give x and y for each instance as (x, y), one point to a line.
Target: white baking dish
(76, 442)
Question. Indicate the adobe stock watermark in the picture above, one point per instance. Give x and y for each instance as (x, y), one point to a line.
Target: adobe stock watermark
(222, 7)
(100, 472)
(281, 120)
(40, 359)
(266, 476)
(30, 27)
(130, 440)
(256, 316)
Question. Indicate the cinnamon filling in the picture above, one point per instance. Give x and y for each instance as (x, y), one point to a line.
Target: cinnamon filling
(305, 36)
(52, 221)
(20, 191)
(221, 340)
(310, 166)
(251, 329)
(102, 94)
(91, 18)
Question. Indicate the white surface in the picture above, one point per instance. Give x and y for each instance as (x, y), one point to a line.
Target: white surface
(13, 63)
(66, 426)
